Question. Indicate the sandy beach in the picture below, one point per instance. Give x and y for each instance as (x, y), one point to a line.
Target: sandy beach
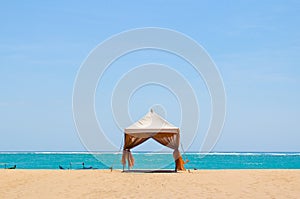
(115, 184)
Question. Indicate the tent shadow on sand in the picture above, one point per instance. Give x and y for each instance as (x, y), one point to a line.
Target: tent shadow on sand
(149, 171)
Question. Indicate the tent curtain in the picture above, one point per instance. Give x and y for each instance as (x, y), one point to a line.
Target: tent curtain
(130, 142)
(170, 140)
(127, 156)
(179, 163)
(167, 139)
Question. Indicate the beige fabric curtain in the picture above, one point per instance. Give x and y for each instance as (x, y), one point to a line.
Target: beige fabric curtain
(127, 156)
(179, 163)
(170, 140)
(129, 143)
(167, 139)
(132, 141)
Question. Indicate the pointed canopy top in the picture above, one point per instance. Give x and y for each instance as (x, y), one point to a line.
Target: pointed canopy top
(151, 123)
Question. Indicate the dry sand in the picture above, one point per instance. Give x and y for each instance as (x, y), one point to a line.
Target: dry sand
(106, 184)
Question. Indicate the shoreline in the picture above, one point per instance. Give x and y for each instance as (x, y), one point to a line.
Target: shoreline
(233, 183)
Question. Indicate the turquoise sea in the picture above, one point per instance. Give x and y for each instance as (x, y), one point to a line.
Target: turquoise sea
(144, 160)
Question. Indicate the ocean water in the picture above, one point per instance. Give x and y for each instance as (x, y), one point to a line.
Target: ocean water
(215, 160)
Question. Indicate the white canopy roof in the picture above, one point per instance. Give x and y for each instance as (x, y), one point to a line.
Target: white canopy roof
(151, 123)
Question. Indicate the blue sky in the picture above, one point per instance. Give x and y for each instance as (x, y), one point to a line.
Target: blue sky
(255, 45)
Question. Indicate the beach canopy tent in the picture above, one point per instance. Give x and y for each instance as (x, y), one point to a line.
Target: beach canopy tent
(150, 126)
